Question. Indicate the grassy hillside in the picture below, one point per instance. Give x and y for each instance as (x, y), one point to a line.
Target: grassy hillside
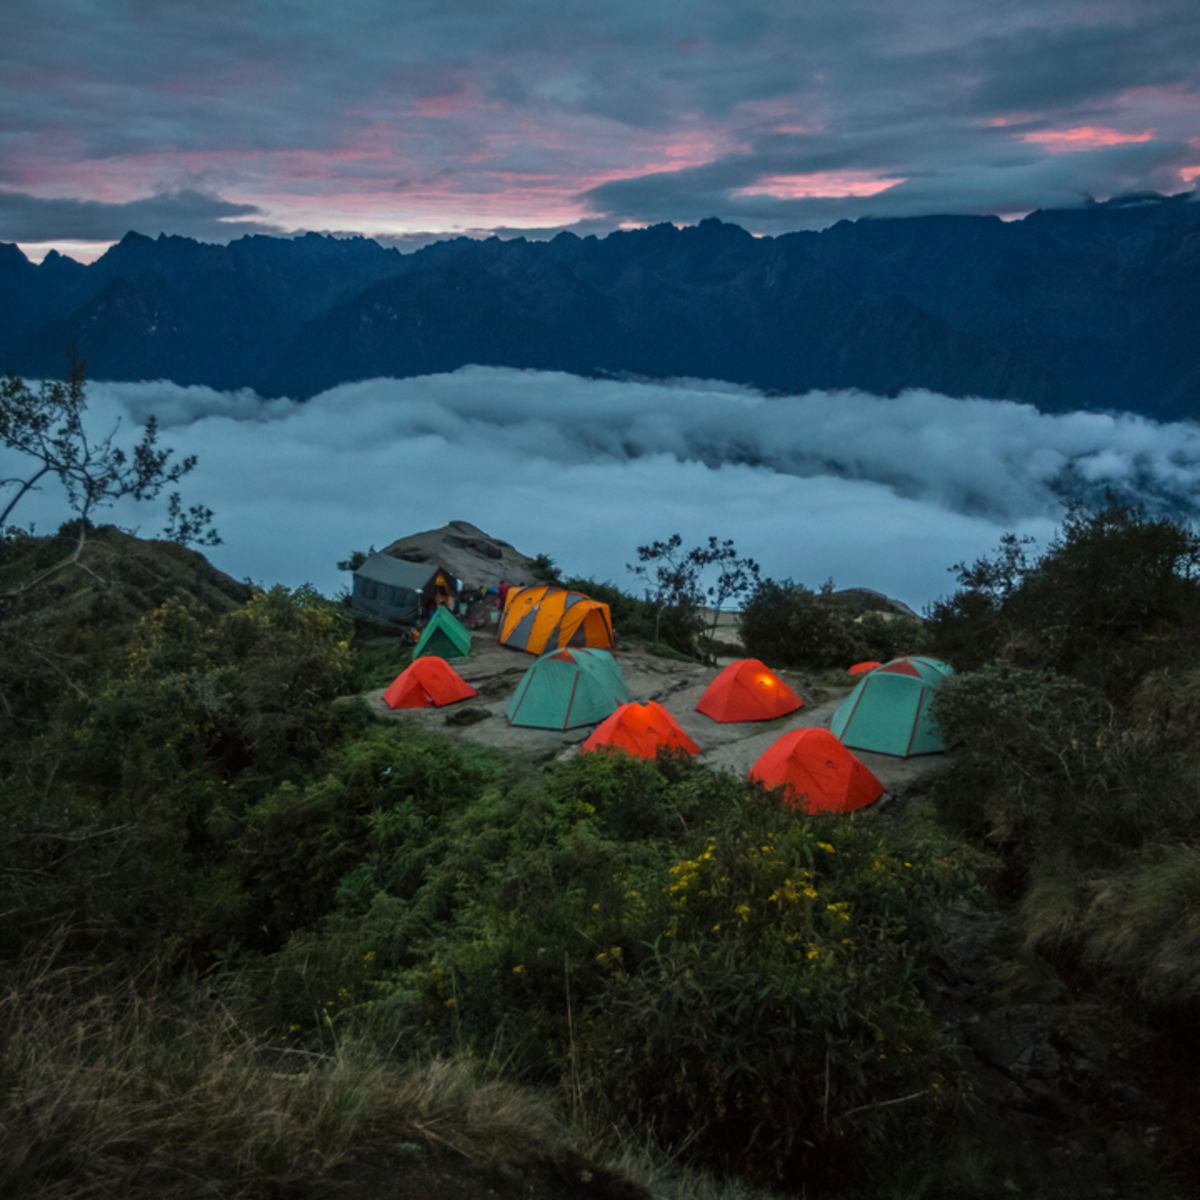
(258, 943)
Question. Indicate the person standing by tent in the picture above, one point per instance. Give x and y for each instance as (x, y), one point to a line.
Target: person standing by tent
(501, 594)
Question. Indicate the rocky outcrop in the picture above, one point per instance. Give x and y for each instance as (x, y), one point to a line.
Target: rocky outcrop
(477, 558)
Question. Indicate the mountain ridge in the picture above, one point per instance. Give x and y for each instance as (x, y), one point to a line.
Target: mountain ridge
(1085, 308)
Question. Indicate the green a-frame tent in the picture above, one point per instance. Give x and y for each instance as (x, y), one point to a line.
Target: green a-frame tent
(444, 636)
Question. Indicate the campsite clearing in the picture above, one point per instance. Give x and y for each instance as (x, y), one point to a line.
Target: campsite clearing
(494, 671)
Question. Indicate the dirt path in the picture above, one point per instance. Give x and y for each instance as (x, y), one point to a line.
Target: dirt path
(494, 671)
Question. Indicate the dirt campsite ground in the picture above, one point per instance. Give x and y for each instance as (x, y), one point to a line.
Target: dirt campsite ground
(494, 672)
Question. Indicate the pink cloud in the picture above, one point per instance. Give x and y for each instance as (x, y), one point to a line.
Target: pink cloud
(1084, 137)
(1015, 119)
(452, 104)
(818, 183)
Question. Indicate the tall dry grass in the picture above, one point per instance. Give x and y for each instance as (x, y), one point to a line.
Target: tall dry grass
(1138, 925)
(114, 1091)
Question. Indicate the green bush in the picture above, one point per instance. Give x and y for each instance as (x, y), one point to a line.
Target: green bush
(1115, 596)
(192, 718)
(742, 981)
(1045, 767)
(788, 625)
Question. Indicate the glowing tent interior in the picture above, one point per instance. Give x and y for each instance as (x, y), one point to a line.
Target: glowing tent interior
(747, 690)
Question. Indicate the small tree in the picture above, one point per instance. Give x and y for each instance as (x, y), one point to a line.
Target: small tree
(1115, 595)
(676, 591)
(737, 577)
(673, 587)
(969, 627)
(46, 426)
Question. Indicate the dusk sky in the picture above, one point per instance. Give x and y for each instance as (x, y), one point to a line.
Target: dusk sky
(411, 119)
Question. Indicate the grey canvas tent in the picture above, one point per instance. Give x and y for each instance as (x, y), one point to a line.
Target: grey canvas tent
(393, 590)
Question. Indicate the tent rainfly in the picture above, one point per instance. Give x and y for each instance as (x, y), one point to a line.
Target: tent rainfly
(816, 772)
(889, 710)
(643, 729)
(537, 619)
(429, 681)
(566, 688)
(864, 668)
(746, 690)
(393, 590)
(444, 636)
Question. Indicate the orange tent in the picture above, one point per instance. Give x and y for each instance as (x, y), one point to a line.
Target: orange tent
(643, 729)
(864, 668)
(544, 618)
(429, 681)
(747, 691)
(817, 771)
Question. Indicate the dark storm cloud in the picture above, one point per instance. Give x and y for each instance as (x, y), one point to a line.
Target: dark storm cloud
(1008, 179)
(404, 113)
(193, 214)
(1126, 46)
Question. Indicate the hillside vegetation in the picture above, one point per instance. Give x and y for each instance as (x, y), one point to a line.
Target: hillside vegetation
(258, 943)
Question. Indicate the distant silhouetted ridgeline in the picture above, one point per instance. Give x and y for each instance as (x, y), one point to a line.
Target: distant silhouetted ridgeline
(1092, 308)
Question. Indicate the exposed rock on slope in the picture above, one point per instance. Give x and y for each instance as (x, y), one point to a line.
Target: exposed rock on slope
(477, 558)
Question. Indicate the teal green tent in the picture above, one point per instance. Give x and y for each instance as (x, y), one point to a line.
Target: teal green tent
(569, 687)
(443, 636)
(889, 710)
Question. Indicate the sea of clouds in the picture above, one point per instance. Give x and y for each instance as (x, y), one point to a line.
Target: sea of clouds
(885, 493)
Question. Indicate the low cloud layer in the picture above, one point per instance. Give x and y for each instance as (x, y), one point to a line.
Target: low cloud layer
(875, 492)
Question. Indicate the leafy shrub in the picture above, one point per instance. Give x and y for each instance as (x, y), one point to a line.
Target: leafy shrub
(1115, 595)
(1045, 767)
(760, 1003)
(367, 824)
(742, 981)
(198, 716)
(789, 625)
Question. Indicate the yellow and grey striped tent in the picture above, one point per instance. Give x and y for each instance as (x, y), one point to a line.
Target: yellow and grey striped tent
(544, 618)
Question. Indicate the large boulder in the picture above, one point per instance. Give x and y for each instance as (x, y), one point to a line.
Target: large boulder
(478, 559)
